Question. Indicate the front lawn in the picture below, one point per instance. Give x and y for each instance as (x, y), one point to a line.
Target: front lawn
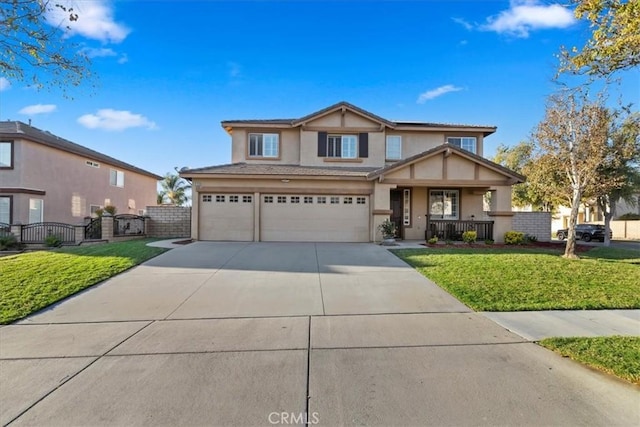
(516, 279)
(617, 355)
(34, 280)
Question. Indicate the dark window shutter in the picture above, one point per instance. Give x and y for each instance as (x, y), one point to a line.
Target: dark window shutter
(322, 144)
(363, 145)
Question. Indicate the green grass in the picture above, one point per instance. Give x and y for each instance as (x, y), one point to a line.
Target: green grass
(34, 280)
(516, 279)
(617, 355)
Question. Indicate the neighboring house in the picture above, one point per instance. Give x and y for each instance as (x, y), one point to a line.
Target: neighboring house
(47, 178)
(591, 213)
(335, 175)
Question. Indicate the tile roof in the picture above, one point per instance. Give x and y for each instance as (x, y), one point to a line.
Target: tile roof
(17, 129)
(294, 170)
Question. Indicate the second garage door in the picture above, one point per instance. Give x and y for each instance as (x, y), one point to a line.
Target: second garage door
(314, 218)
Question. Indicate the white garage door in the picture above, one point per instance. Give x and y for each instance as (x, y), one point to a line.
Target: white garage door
(226, 217)
(317, 218)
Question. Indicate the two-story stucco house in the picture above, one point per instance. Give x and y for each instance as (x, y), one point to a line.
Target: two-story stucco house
(335, 175)
(47, 178)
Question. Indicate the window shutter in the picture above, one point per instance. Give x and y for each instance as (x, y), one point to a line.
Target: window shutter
(322, 144)
(363, 145)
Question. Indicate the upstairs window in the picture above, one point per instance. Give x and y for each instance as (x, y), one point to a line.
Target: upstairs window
(394, 147)
(6, 154)
(264, 145)
(466, 143)
(342, 146)
(116, 178)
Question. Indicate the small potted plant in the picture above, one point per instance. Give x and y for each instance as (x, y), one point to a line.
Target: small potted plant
(388, 230)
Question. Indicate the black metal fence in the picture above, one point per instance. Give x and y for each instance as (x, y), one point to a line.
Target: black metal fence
(93, 230)
(5, 229)
(127, 224)
(452, 229)
(39, 231)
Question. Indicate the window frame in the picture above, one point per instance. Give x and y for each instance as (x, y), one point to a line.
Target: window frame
(462, 138)
(442, 216)
(10, 198)
(386, 150)
(119, 174)
(11, 155)
(261, 148)
(332, 148)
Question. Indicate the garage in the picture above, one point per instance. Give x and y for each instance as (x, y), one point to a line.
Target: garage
(314, 218)
(226, 217)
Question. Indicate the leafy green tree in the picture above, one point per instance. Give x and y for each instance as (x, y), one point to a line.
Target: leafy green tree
(620, 168)
(174, 189)
(34, 50)
(615, 38)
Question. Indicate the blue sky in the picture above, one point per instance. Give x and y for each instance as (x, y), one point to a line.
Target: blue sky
(170, 71)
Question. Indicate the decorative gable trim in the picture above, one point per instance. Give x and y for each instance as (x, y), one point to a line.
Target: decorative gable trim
(343, 107)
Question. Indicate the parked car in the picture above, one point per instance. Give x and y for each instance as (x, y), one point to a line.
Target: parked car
(586, 232)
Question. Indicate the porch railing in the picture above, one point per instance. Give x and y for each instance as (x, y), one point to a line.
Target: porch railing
(453, 229)
(39, 231)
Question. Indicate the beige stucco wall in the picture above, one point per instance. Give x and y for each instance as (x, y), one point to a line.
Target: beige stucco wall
(70, 185)
(289, 146)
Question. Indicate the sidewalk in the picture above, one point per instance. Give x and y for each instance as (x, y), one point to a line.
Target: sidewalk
(536, 325)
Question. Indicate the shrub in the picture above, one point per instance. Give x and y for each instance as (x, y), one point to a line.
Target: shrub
(111, 210)
(488, 242)
(530, 238)
(10, 243)
(513, 238)
(470, 236)
(629, 217)
(388, 229)
(449, 242)
(432, 241)
(52, 241)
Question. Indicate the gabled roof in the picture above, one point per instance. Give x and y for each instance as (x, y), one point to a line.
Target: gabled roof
(278, 170)
(17, 129)
(398, 124)
(346, 106)
(441, 149)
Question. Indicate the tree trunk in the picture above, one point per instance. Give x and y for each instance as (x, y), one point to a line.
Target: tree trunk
(608, 209)
(570, 248)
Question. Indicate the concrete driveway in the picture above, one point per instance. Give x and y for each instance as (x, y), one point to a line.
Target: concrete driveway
(262, 334)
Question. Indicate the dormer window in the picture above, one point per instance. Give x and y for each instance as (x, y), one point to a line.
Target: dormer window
(466, 143)
(264, 145)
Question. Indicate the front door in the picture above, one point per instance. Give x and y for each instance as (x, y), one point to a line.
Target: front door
(396, 207)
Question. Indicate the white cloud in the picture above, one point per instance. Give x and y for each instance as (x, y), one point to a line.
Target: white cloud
(95, 20)
(464, 23)
(115, 120)
(434, 93)
(99, 52)
(4, 84)
(524, 16)
(123, 59)
(38, 109)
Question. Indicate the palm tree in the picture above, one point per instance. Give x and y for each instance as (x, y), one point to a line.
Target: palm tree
(161, 195)
(174, 189)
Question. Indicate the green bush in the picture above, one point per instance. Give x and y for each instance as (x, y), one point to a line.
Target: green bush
(488, 242)
(110, 210)
(52, 241)
(530, 238)
(513, 238)
(629, 217)
(10, 243)
(388, 229)
(432, 241)
(470, 236)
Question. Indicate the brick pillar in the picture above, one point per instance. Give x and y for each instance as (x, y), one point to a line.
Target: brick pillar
(16, 230)
(79, 234)
(107, 227)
